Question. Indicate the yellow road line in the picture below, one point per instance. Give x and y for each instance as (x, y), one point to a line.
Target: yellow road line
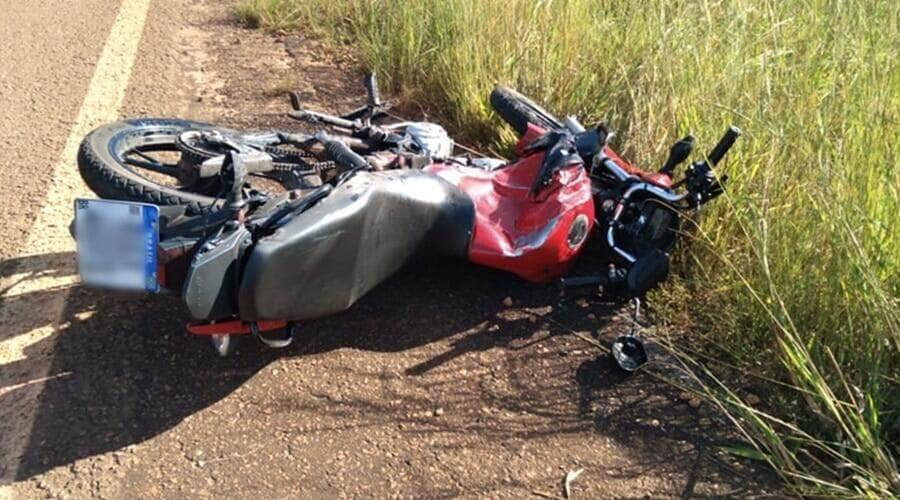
(36, 295)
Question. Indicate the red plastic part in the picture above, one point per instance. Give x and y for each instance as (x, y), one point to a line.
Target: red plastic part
(516, 231)
(234, 327)
(658, 179)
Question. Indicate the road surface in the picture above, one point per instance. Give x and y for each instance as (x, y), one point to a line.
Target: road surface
(445, 381)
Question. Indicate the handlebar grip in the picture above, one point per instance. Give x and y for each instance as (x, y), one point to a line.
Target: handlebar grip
(725, 143)
(372, 90)
(343, 155)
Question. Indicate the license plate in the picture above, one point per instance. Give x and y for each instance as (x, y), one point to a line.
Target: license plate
(116, 244)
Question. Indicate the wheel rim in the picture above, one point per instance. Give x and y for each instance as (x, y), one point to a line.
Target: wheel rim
(159, 157)
(170, 157)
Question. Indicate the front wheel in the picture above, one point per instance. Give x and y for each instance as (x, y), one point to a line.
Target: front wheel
(518, 111)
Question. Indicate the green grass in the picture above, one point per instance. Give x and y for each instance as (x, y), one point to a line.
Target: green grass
(797, 269)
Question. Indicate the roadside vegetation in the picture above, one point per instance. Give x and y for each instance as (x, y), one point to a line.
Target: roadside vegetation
(794, 275)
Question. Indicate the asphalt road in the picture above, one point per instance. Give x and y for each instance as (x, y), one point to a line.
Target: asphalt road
(445, 381)
(48, 53)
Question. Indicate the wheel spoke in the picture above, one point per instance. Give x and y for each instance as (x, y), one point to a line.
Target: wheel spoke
(150, 163)
(144, 155)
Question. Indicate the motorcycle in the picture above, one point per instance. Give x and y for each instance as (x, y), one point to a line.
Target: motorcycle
(258, 231)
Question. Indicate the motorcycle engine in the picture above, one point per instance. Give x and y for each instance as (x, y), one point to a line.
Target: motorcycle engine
(647, 224)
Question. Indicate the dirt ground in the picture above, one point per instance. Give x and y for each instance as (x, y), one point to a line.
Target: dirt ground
(447, 380)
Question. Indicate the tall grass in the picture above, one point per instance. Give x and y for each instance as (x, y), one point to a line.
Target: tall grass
(796, 270)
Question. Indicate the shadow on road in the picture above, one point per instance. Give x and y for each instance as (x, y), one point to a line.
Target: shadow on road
(132, 373)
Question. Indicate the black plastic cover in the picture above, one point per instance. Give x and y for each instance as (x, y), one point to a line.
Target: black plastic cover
(211, 283)
(321, 261)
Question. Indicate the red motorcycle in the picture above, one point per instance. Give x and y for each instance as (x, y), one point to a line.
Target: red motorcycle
(260, 230)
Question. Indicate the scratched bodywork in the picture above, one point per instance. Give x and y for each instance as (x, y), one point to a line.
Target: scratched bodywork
(521, 231)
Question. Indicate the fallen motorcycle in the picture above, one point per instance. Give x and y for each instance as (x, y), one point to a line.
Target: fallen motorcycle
(258, 231)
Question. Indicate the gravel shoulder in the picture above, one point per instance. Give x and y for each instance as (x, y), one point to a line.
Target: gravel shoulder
(447, 380)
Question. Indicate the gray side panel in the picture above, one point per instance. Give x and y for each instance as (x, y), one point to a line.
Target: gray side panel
(323, 260)
(212, 279)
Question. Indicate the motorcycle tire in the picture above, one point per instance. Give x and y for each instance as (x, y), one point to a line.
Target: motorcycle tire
(102, 165)
(518, 111)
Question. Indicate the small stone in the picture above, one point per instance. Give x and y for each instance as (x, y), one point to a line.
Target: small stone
(438, 412)
(752, 399)
(694, 403)
(654, 423)
(508, 302)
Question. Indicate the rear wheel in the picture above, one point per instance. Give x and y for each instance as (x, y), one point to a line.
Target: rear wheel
(157, 160)
(518, 111)
(139, 160)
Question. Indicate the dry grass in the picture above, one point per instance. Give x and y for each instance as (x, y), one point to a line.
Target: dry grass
(797, 270)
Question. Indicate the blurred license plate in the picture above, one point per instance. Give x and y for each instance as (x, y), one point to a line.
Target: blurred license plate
(116, 244)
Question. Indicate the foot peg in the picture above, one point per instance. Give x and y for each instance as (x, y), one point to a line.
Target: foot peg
(273, 342)
(580, 281)
(296, 104)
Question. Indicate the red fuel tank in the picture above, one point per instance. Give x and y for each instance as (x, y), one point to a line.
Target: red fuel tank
(535, 236)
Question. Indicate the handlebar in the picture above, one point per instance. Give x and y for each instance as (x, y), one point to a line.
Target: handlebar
(725, 143)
